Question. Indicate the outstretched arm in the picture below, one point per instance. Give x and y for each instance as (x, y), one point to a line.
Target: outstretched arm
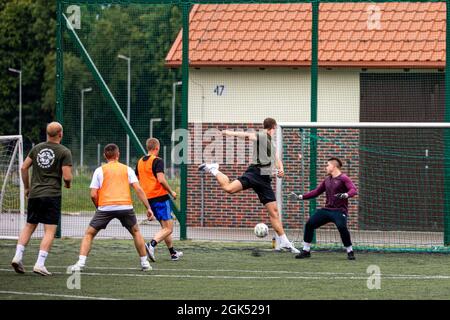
(240, 134)
(314, 193)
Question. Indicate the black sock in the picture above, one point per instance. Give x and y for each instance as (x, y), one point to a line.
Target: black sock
(153, 243)
(172, 251)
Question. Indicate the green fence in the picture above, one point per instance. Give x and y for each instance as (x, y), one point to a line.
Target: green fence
(205, 66)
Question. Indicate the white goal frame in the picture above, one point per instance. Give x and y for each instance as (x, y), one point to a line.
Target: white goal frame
(18, 151)
(343, 125)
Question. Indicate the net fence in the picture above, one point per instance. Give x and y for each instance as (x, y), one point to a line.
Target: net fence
(240, 62)
(399, 174)
(11, 193)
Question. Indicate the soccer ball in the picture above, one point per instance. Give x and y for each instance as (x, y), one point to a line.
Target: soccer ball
(261, 230)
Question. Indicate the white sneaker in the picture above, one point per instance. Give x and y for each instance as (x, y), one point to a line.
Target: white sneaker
(176, 256)
(150, 251)
(18, 265)
(289, 247)
(146, 266)
(42, 270)
(208, 167)
(77, 267)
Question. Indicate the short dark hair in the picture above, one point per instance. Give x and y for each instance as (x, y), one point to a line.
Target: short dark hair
(152, 143)
(337, 160)
(269, 123)
(110, 150)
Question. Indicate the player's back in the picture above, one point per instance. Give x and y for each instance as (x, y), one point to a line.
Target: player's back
(48, 158)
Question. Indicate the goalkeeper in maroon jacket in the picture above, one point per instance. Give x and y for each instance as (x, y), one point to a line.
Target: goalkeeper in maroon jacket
(338, 188)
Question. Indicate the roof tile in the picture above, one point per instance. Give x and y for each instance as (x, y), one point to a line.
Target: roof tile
(348, 33)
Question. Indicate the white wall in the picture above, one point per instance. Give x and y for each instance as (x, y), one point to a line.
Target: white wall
(251, 94)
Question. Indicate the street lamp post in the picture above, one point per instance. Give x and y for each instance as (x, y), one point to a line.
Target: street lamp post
(174, 90)
(128, 59)
(20, 97)
(82, 125)
(151, 125)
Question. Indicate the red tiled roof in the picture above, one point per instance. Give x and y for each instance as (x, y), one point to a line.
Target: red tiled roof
(410, 35)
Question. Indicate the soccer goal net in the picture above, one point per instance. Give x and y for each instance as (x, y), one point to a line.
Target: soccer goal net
(401, 171)
(12, 202)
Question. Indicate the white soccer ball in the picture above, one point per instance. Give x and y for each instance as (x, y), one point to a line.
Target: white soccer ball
(261, 230)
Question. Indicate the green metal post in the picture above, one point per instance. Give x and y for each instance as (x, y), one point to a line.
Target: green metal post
(184, 118)
(447, 136)
(103, 87)
(314, 76)
(59, 79)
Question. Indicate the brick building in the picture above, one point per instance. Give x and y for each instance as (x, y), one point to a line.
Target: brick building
(378, 63)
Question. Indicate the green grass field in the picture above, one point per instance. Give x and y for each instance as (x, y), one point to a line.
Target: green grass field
(212, 270)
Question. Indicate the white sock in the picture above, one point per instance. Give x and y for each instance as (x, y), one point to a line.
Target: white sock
(143, 260)
(41, 258)
(349, 249)
(284, 239)
(82, 260)
(306, 246)
(214, 171)
(19, 252)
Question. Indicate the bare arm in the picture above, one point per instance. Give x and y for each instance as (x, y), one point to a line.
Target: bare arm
(240, 134)
(67, 175)
(141, 195)
(279, 165)
(25, 175)
(94, 196)
(162, 179)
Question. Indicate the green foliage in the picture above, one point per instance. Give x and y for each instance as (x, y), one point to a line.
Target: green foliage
(27, 42)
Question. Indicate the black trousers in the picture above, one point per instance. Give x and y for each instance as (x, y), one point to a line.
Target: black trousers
(323, 216)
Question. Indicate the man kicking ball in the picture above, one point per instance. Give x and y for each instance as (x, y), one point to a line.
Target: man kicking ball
(258, 176)
(338, 188)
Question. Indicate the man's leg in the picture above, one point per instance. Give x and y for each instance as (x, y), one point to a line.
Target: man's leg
(24, 238)
(340, 220)
(46, 244)
(224, 181)
(227, 186)
(318, 219)
(274, 217)
(165, 232)
(85, 248)
(139, 243)
(168, 225)
(86, 243)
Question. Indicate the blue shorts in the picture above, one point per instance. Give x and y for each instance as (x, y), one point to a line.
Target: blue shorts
(162, 210)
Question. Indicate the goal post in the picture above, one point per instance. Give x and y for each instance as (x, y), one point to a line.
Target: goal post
(12, 194)
(401, 171)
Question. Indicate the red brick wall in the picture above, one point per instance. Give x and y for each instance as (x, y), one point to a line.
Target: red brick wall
(244, 209)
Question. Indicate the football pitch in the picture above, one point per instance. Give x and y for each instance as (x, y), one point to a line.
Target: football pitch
(224, 271)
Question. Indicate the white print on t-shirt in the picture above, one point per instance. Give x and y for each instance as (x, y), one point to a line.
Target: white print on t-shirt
(45, 158)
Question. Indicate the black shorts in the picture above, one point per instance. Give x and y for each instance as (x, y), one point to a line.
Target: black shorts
(262, 184)
(46, 210)
(101, 219)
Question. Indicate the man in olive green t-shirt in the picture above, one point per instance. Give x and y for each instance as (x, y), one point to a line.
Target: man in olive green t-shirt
(51, 162)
